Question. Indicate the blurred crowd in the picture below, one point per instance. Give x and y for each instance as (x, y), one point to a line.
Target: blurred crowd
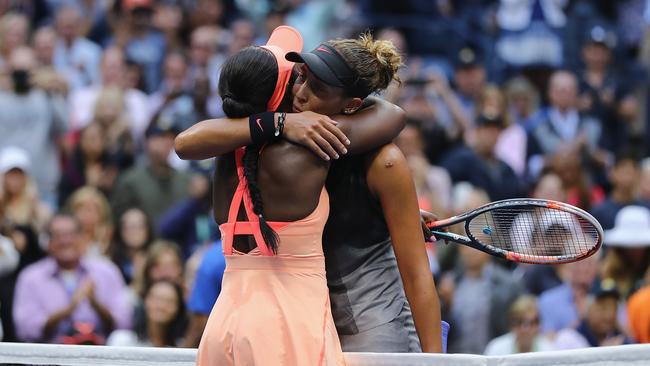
(107, 237)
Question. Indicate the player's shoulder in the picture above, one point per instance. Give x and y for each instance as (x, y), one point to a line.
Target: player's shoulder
(387, 156)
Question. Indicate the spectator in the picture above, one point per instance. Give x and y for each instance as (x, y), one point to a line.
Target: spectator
(469, 80)
(132, 238)
(111, 115)
(561, 127)
(473, 289)
(599, 327)
(624, 176)
(168, 19)
(638, 311)
(190, 221)
(113, 72)
(205, 63)
(479, 166)
(163, 262)
(14, 33)
(19, 201)
(522, 99)
(142, 44)
(91, 209)
(563, 306)
(432, 183)
(89, 164)
(44, 42)
(511, 146)
(524, 331)
(603, 92)
(480, 288)
(539, 278)
(162, 322)
(25, 241)
(628, 257)
(33, 120)
(65, 289)
(204, 293)
(580, 189)
(174, 100)
(75, 57)
(154, 186)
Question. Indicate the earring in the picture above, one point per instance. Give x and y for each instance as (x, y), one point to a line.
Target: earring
(349, 111)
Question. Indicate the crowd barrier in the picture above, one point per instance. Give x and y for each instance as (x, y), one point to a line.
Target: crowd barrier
(61, 355)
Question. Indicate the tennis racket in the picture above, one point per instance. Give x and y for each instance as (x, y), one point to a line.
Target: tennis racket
(527, 231)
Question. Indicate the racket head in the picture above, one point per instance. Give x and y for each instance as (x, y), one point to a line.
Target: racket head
(535, 231)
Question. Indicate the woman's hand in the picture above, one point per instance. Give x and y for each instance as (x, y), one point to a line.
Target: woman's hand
(317, 133)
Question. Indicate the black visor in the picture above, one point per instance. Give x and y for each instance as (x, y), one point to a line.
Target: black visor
(330, 67)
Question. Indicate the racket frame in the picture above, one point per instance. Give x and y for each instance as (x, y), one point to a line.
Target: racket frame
(471, 241)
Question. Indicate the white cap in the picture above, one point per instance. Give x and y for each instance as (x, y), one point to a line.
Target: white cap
(12, 157)
(631, 229)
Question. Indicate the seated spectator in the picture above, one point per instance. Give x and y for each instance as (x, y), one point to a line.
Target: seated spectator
(475, 295)
(189, 223)
(142, 43)
(478, 165)
(511, 146)
(25, 241)
(155, 186)
(563, 306)
(163, 262)
(75, 57)
(33, 120)
(131, 240)
(66, 290)
(89, 164)
(539, 278)
(561, 127)
(19, 201)
(524, 333)
(638, 312)
(174, 101)
(603, 92)
(628, 254)
(581, 191)
(162, 322)
(111, 115)
(14, 33)
(113, 68)
(522, 100)
(91, 208)
(204, 293)
(599, 326)
(624, 177)
(432, 183)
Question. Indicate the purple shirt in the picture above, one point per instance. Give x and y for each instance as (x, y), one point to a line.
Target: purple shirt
(41, 292)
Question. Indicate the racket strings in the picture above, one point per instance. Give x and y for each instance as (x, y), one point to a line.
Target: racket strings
(535, 231)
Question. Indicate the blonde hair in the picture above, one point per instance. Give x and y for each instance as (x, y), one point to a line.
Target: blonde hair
(521, 306)
(484, 105)
(92, 194)
(375, 61)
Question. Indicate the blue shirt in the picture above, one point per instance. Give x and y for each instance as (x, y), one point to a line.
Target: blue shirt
(207, 284)
(557, 309)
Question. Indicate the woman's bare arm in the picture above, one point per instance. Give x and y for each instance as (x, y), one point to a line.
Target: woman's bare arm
(390, 179)
(377, 124)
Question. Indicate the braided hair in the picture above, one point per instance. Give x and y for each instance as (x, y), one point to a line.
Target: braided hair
(246, 84)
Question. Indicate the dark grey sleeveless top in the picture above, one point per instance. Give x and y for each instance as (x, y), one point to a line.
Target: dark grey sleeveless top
(364, 282)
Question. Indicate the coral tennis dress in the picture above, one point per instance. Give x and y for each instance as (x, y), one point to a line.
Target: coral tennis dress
(272, 309)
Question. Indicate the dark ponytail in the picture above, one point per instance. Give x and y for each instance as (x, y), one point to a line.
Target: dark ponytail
(251, 159)
(246, 84)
